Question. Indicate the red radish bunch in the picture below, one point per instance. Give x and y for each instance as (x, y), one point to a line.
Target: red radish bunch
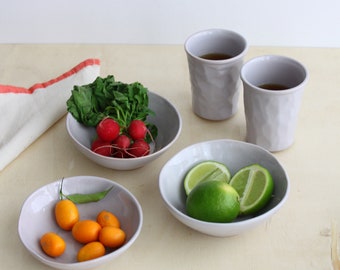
(101, 147)
(114, 141)
(137, 130)
(108, 129)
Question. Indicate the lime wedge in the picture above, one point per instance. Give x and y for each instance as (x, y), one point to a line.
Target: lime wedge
(255, 186)
(205, 171)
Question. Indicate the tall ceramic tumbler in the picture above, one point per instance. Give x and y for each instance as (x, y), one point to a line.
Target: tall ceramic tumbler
(273, 88)
(215, 58)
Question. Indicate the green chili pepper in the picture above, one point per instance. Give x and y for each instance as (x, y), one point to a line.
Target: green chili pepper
(79, 198)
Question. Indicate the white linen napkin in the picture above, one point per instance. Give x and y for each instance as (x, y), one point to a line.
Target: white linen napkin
(26, 113)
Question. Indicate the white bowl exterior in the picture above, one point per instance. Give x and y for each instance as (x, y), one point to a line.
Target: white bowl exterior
(235, 155)
(37, 218)
(166, 118)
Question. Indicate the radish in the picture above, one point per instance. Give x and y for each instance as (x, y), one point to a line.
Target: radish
(139, 148)
(121, 144)
(108, 129)
(101, 147)
(137, 129)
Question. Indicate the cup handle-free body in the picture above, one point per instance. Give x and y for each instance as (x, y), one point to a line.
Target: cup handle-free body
(215, 83)
(271, 115)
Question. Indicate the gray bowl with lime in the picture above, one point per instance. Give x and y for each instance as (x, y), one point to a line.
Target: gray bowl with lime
(223, 187)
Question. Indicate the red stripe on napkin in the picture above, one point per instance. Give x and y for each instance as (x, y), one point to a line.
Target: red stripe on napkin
(21, 90)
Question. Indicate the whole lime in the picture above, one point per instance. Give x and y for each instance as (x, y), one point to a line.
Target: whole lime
(213, 201)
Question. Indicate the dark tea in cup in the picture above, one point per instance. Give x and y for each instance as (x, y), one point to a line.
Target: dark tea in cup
(273, 86)
(216, 56)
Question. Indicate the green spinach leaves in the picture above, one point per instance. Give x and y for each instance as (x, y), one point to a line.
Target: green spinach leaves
(106, 97)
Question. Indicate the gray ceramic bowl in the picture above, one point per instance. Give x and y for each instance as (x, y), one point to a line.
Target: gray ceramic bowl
(37, 218)
(166, 118)
(235, 155)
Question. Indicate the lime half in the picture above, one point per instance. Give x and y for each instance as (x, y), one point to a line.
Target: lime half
(205, 171)
(255, 186)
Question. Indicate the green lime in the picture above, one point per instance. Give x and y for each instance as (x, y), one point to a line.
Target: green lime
(205, 171)
(213, 201)
(255, 186)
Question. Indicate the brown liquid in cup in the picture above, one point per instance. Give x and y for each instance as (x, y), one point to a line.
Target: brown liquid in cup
(273, 86)
(216, 56)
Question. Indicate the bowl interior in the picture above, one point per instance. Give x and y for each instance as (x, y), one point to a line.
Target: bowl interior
(37, 217)
(166, 119)
(235, 155)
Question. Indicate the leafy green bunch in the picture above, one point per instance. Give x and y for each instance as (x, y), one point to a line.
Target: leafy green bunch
(106, 97)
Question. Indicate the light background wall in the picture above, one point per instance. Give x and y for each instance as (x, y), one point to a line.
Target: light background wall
(311, 23)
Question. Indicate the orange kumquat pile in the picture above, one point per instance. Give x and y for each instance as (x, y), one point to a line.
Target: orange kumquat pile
(97, 236)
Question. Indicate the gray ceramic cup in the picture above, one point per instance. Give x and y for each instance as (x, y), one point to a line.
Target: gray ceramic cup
(273, 86)
(215, 83)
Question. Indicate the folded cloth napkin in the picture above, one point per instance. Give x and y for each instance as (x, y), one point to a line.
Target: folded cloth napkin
(26, 113)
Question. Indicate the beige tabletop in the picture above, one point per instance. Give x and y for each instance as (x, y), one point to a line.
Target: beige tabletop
(297, 237)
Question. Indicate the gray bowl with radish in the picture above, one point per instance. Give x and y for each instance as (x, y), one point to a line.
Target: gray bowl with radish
(165, 117)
